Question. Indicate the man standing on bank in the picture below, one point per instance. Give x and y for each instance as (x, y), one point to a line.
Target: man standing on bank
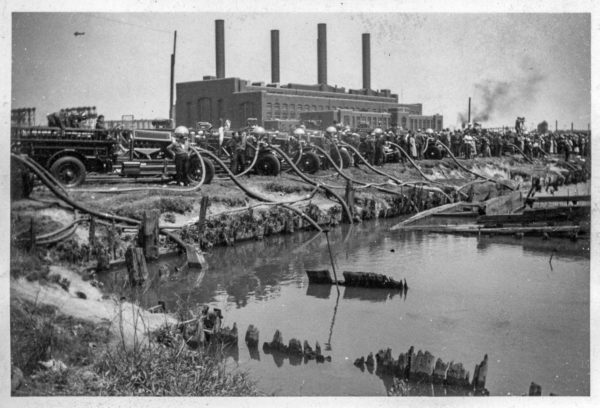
(179, 150)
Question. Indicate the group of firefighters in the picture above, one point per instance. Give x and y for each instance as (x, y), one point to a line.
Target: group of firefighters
(373, 145)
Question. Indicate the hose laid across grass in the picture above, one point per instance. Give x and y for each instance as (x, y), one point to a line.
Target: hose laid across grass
(255, 195)
(472, 172)
(313, 183)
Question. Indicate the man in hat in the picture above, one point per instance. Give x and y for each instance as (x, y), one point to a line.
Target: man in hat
(179, 150)
(57, 119)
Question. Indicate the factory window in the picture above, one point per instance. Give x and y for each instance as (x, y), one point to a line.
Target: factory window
(284, 112)
(346, 120)
(299, 107)
(306, 108)
(204, 111)
(314, 107)
(269, 110)
(246, 111)
(277, 113)
(293, 111)
(321, 107)
(353, 122)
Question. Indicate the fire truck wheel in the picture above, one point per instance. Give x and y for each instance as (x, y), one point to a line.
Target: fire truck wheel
(69, 170)
(346, 158)
(268, 165)
(195, 170)
(310, 162)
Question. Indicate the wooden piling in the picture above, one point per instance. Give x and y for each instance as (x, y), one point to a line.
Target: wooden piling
(204, 204)
(136, 265)
(148, 234)
(535, 390)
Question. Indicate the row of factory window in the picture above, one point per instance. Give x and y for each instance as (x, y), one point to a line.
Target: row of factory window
(354, 121)
(421, 124)
(292, 111)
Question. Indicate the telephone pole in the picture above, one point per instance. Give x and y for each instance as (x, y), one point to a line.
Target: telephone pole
(172, 89)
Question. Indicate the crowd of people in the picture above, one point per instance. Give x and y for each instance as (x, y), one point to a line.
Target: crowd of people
(465, 143)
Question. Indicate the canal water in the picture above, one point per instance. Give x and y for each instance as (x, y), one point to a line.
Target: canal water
(467, 297)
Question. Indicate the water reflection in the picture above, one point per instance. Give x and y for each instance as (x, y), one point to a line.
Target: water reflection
(373, 294)
(264, 283)
(319, 291)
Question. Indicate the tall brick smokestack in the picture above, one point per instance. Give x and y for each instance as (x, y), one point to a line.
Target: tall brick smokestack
(322, 54)
(366, 60)
(275, 56)
(220, 47)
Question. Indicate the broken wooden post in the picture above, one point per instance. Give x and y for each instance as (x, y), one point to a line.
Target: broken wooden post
(421, 368)
(349, 197)
(535, 390)
(480, 374)
(204, 203)
(149, 233)
(251, 338)
(136, 265)
(194, 259)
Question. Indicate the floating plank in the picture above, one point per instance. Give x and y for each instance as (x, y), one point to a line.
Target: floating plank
(371, 280)
(194, 259)
(477, 229)
(427, 213)
(464, 214)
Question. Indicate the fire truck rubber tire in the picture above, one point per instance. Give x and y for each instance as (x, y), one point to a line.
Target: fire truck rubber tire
(268, 165)
(195, 170)
(346, 158)
(69, 170)
(310, 163)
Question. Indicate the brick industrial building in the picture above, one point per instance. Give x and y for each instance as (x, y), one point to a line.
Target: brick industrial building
(215, 99)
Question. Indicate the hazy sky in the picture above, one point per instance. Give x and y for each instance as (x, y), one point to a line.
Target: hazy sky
(532, 65)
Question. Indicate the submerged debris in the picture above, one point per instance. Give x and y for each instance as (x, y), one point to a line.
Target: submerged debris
(422, 367)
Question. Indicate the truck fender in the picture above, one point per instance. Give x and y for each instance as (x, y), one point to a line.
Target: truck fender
(63, 153)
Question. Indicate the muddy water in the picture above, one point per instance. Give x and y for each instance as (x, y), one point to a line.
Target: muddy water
(467, 297)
